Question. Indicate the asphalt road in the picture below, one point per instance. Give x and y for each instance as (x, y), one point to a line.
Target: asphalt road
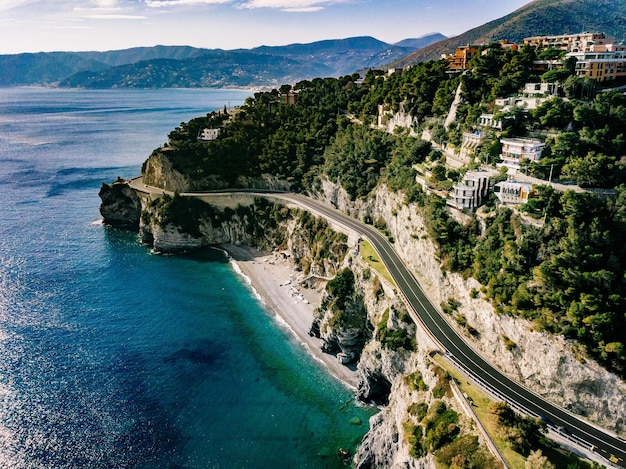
(456, 348)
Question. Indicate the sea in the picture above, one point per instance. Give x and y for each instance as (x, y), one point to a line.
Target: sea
(113, 357)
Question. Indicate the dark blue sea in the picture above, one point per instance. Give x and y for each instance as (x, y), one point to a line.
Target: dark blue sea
(111, 357)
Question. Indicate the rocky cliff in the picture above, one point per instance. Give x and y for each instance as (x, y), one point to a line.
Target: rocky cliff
(549, 365)
(159, 171)
(393, 372)
(121, 207)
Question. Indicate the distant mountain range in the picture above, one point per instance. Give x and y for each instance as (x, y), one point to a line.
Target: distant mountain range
(538, 18)
(182, 66)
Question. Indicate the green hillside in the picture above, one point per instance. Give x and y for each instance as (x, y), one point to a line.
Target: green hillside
(565, 271)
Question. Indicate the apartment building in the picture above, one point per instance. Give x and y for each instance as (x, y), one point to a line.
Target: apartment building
(470, 192)
(515, 150)
(600, 66)
(513, 192)
(583, 42)
(461, 58)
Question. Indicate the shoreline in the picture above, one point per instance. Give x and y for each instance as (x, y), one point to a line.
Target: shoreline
(276, 284)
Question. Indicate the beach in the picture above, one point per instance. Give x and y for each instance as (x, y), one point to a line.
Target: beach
(278, 284)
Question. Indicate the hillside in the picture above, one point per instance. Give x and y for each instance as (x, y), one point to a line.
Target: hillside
(540, 17)
(183, 66)
(42, 68)
(115, 58)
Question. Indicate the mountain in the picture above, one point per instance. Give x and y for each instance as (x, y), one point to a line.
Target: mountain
(183, 66)
(137, 54)
(421, 42)
(43, 68)
(538, 18)
(216, 69)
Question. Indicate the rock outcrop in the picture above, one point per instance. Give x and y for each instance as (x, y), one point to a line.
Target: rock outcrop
(121, 207)
(158, 171)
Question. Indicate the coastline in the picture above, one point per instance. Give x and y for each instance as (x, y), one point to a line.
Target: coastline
(276, 282)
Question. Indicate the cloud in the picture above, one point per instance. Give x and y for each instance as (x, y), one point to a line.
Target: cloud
(174, 3)
(10, 4)
(105, 16)
(301, 6)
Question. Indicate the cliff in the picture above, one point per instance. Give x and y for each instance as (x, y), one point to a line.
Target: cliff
(549, 365)
(369, 327)
(121, 207)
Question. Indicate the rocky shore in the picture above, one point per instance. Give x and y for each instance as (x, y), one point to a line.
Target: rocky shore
(280, 287)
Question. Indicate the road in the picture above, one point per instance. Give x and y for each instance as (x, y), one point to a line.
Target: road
(465, 356)
(457, 349)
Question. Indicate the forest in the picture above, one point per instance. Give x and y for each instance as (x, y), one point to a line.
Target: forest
(566, 272)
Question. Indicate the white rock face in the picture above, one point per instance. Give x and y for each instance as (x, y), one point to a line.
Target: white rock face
(170, 239)
(546, 364)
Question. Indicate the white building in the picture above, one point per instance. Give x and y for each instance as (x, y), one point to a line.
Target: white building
(469, 193)
(514, 150)
(472, 139)
(541, 89)
(487, 120)
(513, 192)
(209, 135)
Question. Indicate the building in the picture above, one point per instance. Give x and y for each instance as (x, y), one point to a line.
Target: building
(487, 120)
(470, 192)
(208, 135)
(600, 66)
(513, 192)
(394, 70)
(514, 150)
(289, 99)
(461, 58)
(583, 42)
(597, 56)
(540, 89)
(472, 139)
(542, 66)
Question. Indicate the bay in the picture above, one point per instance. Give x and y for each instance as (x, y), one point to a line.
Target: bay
(111, 357)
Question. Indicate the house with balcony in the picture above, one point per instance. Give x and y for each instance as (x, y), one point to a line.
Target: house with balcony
(515, 150)
(208, 135)
(471, 191)
(513, 192)
(487, 120)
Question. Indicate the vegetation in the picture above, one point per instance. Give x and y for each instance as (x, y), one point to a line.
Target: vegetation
(395, 338)
(566, 274)
(436, 429)
(523, 433)
(415, 381)
(482, 406)
(326, 245)
(371, 258)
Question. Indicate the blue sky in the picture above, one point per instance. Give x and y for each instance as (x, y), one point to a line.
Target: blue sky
(72, 25)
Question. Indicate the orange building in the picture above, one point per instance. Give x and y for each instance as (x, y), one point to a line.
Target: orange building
(461, 58)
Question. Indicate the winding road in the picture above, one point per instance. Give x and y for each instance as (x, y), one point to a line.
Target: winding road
(422, 310)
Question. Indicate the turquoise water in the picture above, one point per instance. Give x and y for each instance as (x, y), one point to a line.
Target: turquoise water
(111, 357)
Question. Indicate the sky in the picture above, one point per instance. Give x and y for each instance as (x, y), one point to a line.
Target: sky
(79, 25)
